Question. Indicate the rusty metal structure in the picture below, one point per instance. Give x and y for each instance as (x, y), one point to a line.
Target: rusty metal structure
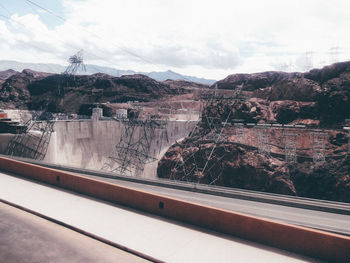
(32, 144)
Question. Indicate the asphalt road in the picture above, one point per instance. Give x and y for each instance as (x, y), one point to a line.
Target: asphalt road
(317, 217)
(27, 238)
(333, 222)
(25, 241)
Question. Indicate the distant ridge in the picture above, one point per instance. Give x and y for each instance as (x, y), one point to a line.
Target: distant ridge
(92, 69)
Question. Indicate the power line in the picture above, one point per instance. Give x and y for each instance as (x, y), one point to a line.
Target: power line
(52, 13)
(3, 7)
(29, 2)
(92, 33)
(59, 39)
(148, 61)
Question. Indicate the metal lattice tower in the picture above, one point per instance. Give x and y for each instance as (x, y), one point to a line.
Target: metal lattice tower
(263, 140)
(34, 143)
(239, 129)
(319, 144)
(215, 133)
(132, 152)
(75, 63)
(308, 60)
(198, 161)
(290, 147)
(333, 54)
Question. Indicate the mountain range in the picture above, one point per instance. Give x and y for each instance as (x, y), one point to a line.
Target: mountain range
(92, 69)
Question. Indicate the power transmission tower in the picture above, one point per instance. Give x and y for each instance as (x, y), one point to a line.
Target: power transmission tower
(34, 143)
(240, 136)
(333, 54)
(263, 140)
(290, 147)
(198, 162)
(319, 144)
(308, 64)
(132, 152)
(76, 62)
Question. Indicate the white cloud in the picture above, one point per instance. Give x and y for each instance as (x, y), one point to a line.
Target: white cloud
(205, 38)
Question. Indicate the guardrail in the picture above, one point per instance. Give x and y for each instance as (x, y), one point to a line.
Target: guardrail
(310, 242)
(278, 199)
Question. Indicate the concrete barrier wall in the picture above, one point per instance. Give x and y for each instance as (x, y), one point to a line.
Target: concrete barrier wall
(318, 244)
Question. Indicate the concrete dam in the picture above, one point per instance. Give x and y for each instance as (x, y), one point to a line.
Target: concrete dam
(89, 143)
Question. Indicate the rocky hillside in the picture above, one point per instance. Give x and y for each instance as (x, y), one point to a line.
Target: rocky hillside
(56, 93)
(6, 74)
(324, 92)
(319, 99)
(243, 167)
(182, 84)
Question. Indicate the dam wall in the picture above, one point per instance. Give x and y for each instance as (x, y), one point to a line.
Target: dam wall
(88, 143)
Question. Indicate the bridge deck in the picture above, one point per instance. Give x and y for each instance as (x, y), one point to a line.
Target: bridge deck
(163, 239)
(29, 238)
(332, 222)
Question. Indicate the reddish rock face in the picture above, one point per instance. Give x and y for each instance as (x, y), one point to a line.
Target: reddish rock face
(239, 167)
(328, 88)
(39, 91)
(243, 167)
(319, 98)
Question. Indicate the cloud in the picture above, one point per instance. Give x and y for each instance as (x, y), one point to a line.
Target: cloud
(204, 38)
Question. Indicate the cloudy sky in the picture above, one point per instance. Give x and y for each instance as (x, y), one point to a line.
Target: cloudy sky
(209, 39)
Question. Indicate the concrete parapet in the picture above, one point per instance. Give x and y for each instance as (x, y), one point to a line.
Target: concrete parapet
(314, 243)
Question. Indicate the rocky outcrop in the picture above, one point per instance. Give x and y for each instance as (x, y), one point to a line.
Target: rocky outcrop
(243, 167)
(319, 98)
(14, 92)
(183, 84)
(328, 182)
(328, 88)
(238, 167)
(262, 111)
(60, 93)
(253, 81)
(6, 74)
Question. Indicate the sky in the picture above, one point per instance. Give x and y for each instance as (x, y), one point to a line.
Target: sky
(210, 39)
